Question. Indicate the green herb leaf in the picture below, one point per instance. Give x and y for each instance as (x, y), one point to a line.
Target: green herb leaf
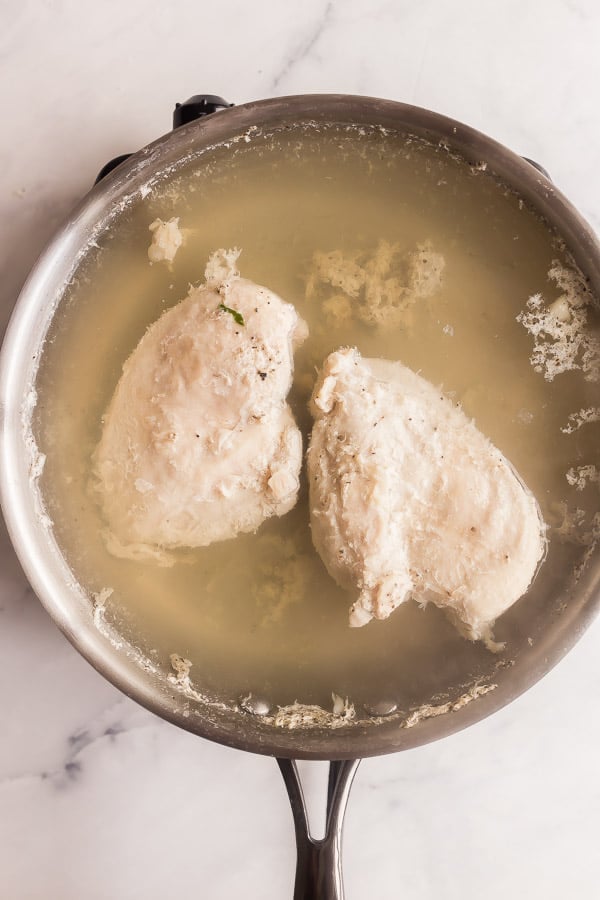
(237, 316)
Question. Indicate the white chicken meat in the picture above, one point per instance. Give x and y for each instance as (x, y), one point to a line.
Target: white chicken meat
(409, 499)
(198, 442)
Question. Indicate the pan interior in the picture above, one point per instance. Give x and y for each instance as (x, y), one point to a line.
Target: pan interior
(259, 616)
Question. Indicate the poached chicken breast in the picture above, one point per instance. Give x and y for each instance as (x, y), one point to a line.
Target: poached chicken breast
(198, 443)
(409, 499)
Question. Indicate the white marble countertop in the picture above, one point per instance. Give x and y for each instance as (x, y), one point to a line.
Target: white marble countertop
(99, 799)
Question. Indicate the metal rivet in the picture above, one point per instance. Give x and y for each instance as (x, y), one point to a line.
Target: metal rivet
(256, 706)
(381, 708)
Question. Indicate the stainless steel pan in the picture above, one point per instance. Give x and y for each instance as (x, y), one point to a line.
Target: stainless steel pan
(245, 726)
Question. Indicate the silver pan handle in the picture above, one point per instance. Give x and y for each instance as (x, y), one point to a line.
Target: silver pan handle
(319, 865)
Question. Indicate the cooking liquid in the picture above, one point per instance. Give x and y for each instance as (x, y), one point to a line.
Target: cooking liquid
(260, 613)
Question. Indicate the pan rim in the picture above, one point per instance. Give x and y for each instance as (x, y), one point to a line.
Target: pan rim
(245, 731)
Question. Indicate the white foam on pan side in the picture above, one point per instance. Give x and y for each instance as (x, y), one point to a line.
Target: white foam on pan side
(562, 339)
(344, 714)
